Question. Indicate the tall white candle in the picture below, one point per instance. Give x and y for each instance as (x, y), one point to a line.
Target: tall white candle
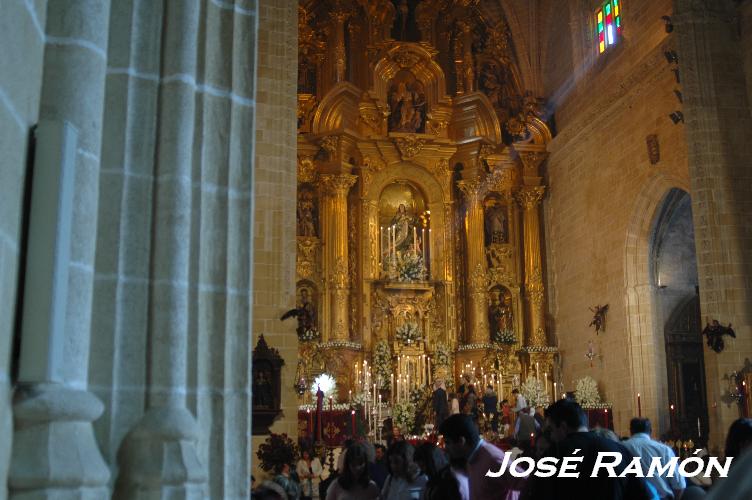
(415, 238)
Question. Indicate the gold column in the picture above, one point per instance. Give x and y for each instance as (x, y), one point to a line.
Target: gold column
(529, 198)
(477, 313)
(334, 189)
(340, 58)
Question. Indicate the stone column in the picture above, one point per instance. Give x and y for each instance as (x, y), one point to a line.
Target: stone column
(529, 198)
(717, 118)
(54, 452)
(334, 189)
(477, 313)
(158, 457)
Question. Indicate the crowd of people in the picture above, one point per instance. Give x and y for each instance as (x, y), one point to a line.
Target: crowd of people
(460, 469)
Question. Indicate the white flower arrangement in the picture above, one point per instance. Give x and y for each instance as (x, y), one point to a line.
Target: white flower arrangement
(534, 392)
(442, 363)
(382, 363)
(586, 392)
(408, 333)
(328, 385)
(404, 416)
(410, 267)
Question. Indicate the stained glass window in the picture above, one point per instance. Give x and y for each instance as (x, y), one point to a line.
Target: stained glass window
(608, 27)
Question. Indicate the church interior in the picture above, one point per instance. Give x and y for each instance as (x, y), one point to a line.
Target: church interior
(226, 220)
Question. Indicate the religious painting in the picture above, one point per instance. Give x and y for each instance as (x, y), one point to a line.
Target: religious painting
(500, 316)
(306, 306)
(496, 225)
(306, 210)
(404, 233)
(407, 104)
(266, 384)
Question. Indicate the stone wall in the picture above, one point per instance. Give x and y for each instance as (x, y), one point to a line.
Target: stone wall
(154, 107)
(603, 195)
(22, 39)
(275, 194)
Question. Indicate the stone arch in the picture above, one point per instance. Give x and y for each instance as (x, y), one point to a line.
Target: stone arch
(647, 365)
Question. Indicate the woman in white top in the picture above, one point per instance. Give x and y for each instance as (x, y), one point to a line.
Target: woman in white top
(405, 480)
(354, 483)
(309, 472)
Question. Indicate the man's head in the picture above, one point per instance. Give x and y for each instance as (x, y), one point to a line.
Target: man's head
(460, 436)
(380, 452)
(640, 425)
(515, 391)
(565, 417)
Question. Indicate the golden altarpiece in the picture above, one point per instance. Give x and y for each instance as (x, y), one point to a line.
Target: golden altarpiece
(419, 195)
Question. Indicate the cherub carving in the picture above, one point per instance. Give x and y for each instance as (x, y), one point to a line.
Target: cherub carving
(715, 332)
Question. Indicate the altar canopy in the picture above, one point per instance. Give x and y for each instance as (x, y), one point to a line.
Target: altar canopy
(419, 187)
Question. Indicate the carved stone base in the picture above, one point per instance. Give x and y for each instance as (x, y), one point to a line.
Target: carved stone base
(159, 460)
(55, 455)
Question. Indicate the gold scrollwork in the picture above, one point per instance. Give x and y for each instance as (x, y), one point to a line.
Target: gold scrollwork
(409, 146)
(306, 261)
(330, 144)
(531, 160)
(478, 280)
(306, 169)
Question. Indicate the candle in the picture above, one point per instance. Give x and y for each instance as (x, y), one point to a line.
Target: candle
(536, 371)
(349, 396)
(391, 387)
(415, 239)
(423, 242)
(352, 416)
(545, 383)
(309, 428)
(671, 413)
(639, 406)
(554, 391)
(532, 440)
(699, 432)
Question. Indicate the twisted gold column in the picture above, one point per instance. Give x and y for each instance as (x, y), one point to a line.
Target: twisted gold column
(477, 314)
(529, 198)
(334, 189)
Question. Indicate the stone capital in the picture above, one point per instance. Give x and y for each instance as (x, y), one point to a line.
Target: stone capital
(336, 185)
(530, 197)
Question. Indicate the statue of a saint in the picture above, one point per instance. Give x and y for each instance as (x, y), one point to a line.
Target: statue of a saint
(403, 224)
(262, 390)
(306, 225)
(500, 316)
(496, 225)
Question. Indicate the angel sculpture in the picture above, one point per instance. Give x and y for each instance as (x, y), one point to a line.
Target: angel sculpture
(599, 318)
(715, 332)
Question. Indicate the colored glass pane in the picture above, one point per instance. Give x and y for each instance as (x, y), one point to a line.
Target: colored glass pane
(616, 10)
(602, 47)
(618, 22)
(609, 20)
(610, 34)
(607, 8)
(600, 27)
(600, 16)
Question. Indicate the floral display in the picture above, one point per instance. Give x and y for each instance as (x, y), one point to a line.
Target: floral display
(328, 385)
(277, 450)
(410, 267)
(534, 392)
(404, 416)
(408, 333)
(382, 363)
(586, 392)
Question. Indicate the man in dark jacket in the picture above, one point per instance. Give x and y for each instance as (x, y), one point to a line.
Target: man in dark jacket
(490, 407)
(568, 427)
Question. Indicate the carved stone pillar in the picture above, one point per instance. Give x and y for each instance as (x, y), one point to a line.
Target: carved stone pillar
(477, 314)
(334, 189)
(529, 198)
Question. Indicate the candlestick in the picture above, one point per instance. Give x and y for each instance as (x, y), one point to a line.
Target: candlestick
(639, 406)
